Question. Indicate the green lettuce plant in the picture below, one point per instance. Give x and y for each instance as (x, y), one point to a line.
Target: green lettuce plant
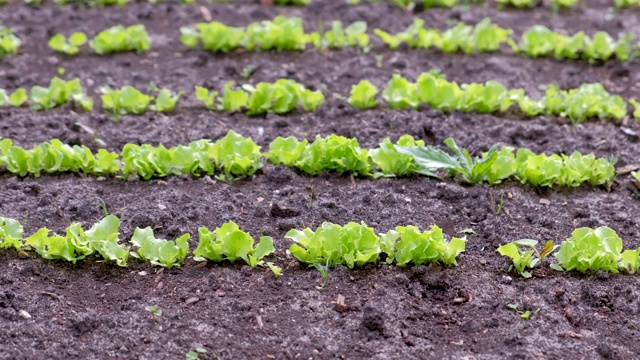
(215, 36)
(160, 252)
(363, 95)
(120, 39)
(230, 243)
(400, 93)
(589, 250)
(10, 234)
(562, 170)
(393, 163)
(519, 4)
(292, 2)
(59, 93)
(69, 46)
(18, 98)
(9, 43)
(353, 35)
(407, 244)
(127, 100)
(76, 244)
(331, 244)
(281, 97)
(166, 101)
(332, 153)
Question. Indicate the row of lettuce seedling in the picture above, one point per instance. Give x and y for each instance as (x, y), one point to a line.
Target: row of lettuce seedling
(235, 156)
(353, 245)
(284, 96)
(555, 5)
(286, 34)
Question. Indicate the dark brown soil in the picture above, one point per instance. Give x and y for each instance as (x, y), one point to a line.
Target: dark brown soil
(96, 310)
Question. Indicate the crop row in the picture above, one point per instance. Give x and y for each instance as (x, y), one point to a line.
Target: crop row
(94, 3)
(283, 96)
(503, 4)
(288, 34)
(235, 156)
(353, 245)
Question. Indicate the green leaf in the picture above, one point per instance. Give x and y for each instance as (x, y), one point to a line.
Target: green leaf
(429, 159)
(363, 95)
(277, 271)
(18, 98)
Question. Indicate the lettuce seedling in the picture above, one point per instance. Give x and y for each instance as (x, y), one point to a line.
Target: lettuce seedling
(292, 2)
(353, 35)
(71, 247)
(59, 93)
(363, 95)
(484, 37)
(121, 39)
(630, 261)
(523, 260)
(9, 43)
(563, 4)
(103, 238)
(589, 249)
(489, 98)
(281, 97)
(215, 37)
(59, 43)
(393, 163)
(519, 4)
(233, 100)
(286, 151)
(236, 155)
(334, 153)
(620, 4)
(434, 90)
(148, 161)
(578, 168)
(502, 168)
(279, 34)
(230, 243)
(10, 234)
(543, 170)
(331, 244)
(407, 244)
(166, 101)
(401, 94)
(165, 253)
(78, 244)
(127, 100)
(587, 101)
(540, 41)
(408, 36)
(18, 98)
(208, 98)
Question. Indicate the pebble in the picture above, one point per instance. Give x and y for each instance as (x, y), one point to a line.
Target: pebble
(25, 315)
